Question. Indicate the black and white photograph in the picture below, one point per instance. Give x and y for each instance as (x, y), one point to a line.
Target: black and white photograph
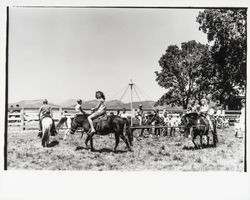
(126, 89)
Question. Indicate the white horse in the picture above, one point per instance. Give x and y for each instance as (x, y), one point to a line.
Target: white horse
(46, 130)
(67, 121)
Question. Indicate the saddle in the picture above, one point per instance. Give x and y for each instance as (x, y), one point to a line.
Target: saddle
(97, 122)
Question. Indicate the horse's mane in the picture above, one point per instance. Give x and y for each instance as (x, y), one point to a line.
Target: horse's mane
(80, 118)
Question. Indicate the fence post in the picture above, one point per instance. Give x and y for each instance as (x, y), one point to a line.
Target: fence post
(60, 113)
(22, 119)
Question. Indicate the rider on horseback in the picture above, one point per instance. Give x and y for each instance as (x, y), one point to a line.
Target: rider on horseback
(204, 110)
(98, 111)
(46, 111)
(78, 107)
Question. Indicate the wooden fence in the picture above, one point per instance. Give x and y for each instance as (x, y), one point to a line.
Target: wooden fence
(21, 117)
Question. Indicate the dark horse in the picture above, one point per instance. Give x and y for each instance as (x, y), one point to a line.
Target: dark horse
(157, 121)
(105, 125)
(153, 117)
(197, 125)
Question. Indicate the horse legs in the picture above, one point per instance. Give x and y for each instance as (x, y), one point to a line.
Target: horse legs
(195, 145)
(215, 138)
(165, 131)
(193, 136)
(208, 140)
(156, 131)
(91, 143)
(171, 131)
(142, 130)
(87, 140)
(126, 141)
(43, 140)
(117, 140)
(132, 135)
(159, 131)
(200, 141)
(66, 135)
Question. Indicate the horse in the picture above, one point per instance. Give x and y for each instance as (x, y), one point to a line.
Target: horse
(150, 119)
(112, 124)
(196, 124)
(46, 131)
(155, 119)
(67, 120)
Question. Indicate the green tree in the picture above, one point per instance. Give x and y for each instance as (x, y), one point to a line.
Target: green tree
(182, 72)
(226, 30)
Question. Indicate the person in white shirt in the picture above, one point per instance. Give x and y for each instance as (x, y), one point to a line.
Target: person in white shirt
(204, 108)
(78, 107)
(124, 114)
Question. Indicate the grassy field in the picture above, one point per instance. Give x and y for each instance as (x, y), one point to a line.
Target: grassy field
(150, 153)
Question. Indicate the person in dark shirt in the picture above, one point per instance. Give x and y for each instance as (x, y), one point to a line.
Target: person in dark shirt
(46, 111)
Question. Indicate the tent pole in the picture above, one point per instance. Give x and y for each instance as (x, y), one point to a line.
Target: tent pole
(131, 84)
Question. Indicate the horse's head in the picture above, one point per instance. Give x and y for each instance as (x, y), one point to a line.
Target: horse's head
(77, 122)
(185, 121)
(150, 119)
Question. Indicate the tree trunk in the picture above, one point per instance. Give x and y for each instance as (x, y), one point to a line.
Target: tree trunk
(184, 104)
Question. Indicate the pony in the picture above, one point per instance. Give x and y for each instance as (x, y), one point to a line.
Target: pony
(67, 120)
(194, 125)
(46, 131)
(103, 126)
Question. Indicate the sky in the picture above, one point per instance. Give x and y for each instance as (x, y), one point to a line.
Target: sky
(65, 53)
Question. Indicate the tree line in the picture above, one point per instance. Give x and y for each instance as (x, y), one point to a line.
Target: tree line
(217, 70)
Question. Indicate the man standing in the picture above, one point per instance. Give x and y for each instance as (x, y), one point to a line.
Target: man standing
(46, 111)
(240, 126)
(139, 114)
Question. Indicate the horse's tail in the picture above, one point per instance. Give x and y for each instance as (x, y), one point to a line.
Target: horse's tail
(61, 122)
(128, 130)
(47, 125)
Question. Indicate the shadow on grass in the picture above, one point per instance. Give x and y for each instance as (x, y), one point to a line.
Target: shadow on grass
(53, 143)
(103, 150)
(204, 146)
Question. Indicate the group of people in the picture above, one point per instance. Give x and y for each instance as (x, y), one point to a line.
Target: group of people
(99, 110)
(205, 108)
